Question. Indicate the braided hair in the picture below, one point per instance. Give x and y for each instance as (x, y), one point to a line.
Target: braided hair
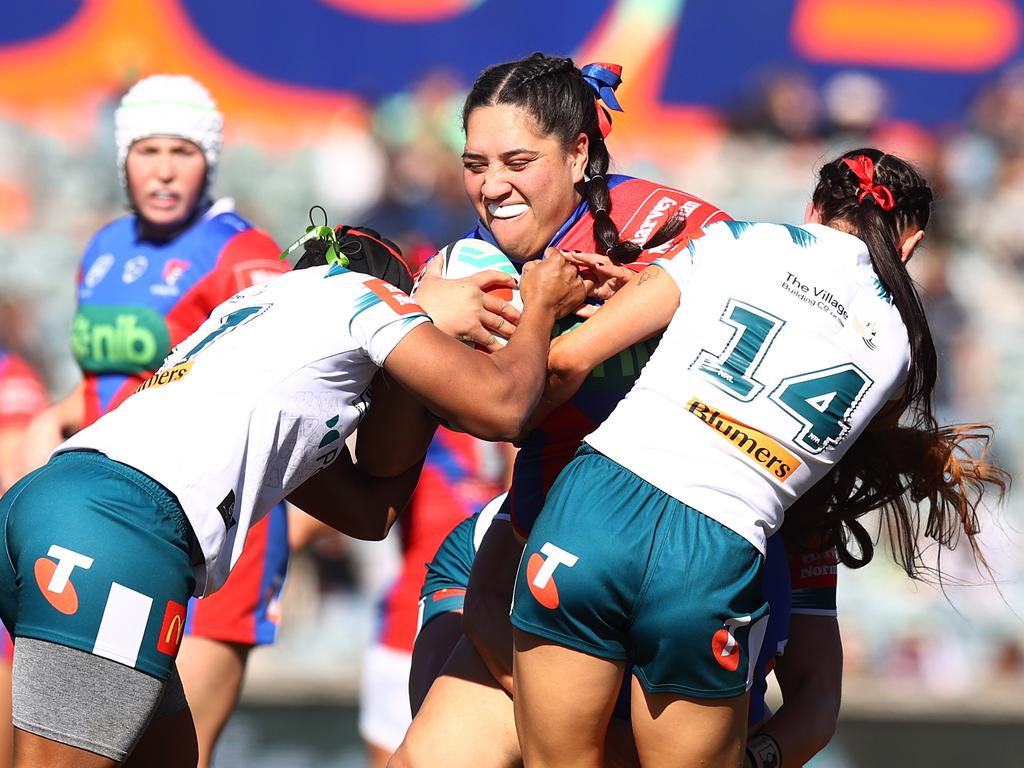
(555, 94)
(926, 480)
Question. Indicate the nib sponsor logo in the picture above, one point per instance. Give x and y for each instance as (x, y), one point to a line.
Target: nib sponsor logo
(53, 576)
(540, 571)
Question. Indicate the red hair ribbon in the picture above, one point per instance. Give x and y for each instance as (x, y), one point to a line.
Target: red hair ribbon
(603, 79)
(864, 169)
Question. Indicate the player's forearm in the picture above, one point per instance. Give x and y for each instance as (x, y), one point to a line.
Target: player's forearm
(354, 503)
(512, 379)
(566, 373)
(396, 431)
(799, 731)
(810, 675)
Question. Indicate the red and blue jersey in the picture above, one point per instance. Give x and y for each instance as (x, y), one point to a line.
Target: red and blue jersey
(136, 300)
(638, 208)
(460, 475)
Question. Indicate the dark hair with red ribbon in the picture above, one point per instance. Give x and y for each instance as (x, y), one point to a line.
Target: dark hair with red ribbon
(902, 464)
(564, 102)
(863, 168)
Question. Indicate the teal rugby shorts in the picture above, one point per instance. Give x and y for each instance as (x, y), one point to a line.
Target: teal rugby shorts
(618, 569)
(444, 588)
(100, 559)
(447, 579)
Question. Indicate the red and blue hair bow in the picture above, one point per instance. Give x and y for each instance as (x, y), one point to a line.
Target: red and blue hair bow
(603, 79)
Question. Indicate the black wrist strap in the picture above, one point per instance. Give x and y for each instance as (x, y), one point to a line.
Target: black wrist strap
(764, 752)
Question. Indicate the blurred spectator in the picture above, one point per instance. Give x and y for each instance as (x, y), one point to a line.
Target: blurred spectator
(22, 396)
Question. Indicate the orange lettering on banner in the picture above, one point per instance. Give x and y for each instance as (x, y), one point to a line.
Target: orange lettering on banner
(406, 11)
(945, 35)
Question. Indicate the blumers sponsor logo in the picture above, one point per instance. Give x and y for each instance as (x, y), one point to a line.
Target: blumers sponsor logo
(540, 572)
(53, 577)
(98, 270)
(171, 629)
(757, 446)
(162, 378)
(134, 268)
(724, 645)
(817, 297)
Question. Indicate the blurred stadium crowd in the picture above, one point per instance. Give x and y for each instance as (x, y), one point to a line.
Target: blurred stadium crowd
(401, 174)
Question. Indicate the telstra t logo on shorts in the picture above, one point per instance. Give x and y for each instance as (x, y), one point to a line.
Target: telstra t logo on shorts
(540, 573)
(54, 578)
(724, 645)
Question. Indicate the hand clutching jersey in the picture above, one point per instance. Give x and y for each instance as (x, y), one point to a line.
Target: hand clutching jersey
(252, 404)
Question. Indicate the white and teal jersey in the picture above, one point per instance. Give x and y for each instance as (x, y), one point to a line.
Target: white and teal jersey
(257, 400)
(784, 346)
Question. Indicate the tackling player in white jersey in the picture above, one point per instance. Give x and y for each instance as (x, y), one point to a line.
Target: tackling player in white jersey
(151, 504)
(783, 344)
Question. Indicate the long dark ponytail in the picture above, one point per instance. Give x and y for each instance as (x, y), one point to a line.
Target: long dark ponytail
(925, 479)
(843, 202)
(556, 94)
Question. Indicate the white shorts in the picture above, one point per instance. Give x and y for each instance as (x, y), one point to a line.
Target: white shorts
(384, 713)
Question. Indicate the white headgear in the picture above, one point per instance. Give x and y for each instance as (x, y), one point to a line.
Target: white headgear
(169, 105)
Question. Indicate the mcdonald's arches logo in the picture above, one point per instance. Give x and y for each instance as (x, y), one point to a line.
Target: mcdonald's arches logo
(172, 629)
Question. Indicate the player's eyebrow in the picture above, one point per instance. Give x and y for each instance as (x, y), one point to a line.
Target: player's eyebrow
(503, 156)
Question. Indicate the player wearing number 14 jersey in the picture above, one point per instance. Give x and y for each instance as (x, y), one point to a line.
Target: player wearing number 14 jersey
(783, 343)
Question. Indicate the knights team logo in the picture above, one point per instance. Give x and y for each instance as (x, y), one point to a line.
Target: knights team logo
(725, 647)
(173, 270)
(53, 577)
(171, 273)
(540, 573)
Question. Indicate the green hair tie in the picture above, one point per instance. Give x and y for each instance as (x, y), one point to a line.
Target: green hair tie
(324, 233)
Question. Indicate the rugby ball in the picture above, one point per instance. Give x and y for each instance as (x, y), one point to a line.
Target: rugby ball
(468, 257)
